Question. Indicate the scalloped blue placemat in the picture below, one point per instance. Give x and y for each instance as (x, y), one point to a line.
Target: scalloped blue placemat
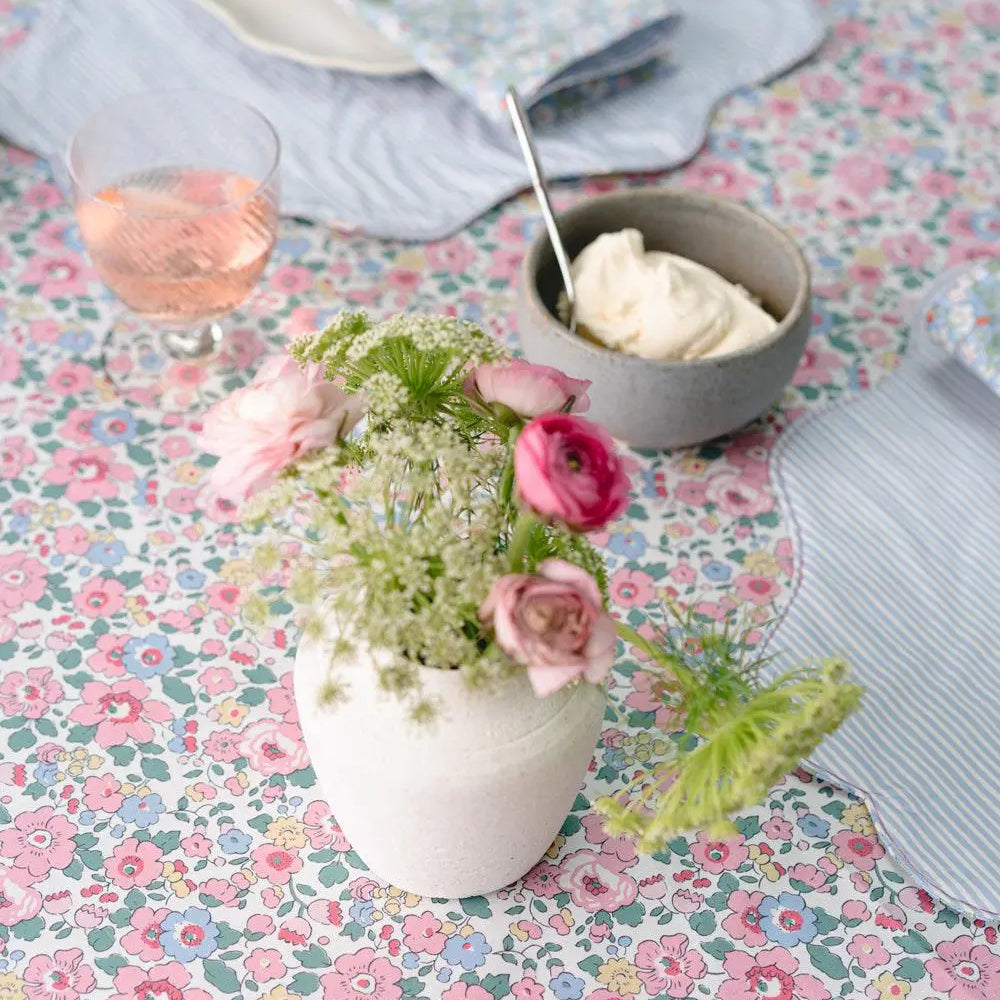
(400, 156)
(895, 499)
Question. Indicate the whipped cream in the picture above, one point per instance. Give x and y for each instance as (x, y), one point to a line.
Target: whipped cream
(659, 305)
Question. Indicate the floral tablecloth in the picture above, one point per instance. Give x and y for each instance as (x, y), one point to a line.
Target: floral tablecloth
(161, 835)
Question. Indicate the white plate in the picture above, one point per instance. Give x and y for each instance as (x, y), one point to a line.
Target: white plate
(318, 33)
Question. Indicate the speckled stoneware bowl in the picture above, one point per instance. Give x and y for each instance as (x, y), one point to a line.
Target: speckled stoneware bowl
(669, 404)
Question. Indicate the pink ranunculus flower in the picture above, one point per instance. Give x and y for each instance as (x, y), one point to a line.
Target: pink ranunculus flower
(272, 747)
(529, 390)
(60, 976)
(567, 470)
(283, 414)
(965, 970)
(134, 863)
(29, 694)
(39, 841)
(322, 829)
(597, 881)
(22, 580)
(669, 965)
(164, 982)
(552, 624)
(362, 976)
(143, 940)
(20, 900)
(121, 711)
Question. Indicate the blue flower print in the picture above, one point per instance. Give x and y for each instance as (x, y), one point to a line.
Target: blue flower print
(812, 825)
(148, 656)
(566, 986)
(362, 911)
(787, 920)
(106, 553)
(614, 757)
(469, 952)
(19, 524)
(45, 774)
(630, 544)
(233, 841)
(189, 935)
(717, 572)
(986, 225)
(179, 727)
(114, 426)
(76, 341)
(190, 579)
(141, 810)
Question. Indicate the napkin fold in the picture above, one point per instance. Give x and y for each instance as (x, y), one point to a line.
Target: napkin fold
(480, 47)
(397, 157)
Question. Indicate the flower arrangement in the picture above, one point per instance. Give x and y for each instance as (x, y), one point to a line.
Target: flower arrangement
(442, 492)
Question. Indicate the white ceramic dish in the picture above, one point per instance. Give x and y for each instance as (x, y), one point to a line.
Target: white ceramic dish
(318, 33)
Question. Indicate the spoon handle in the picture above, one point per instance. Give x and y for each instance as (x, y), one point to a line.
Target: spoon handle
(522, 130)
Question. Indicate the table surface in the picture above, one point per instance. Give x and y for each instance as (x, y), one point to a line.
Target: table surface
(151, 848)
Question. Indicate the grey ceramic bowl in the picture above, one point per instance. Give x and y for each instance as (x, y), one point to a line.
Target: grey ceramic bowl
(669, 404)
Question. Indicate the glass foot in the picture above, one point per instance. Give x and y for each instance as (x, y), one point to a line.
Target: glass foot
(172, 370)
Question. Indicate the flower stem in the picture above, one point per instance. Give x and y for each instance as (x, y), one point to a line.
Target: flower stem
(507, 480)
(518, 548)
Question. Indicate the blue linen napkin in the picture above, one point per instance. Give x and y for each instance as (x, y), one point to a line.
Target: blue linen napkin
(397, 157)
(894, 497)
(480, 47)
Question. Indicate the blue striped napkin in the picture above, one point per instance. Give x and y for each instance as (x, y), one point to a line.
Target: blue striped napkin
(895, 498)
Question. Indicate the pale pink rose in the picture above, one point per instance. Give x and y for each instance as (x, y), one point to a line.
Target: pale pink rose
(529, 390)
(322, 829)
(48, 753)
(121, 711)
(134, 863)
(276, 864)
(143, 940)
(264, 964)
(38, 842)
(422, 933)
(273, 747)
(165, 982)
(686, 901)
(567, 470)
(283, 414)
(102, 794)
(29, 694)
(552, 624)
(61, 976)
(669, 965)
(743, 922)
(22, 580)
(362, 975)
(362, 887)
(596, 882)
(868, 951)
(21, 901)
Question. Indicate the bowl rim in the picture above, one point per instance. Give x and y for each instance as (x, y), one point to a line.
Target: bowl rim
(780, 235)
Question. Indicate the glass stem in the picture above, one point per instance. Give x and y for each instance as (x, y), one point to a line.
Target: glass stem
(193, 345)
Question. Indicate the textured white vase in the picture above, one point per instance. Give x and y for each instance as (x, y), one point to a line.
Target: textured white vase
(462, 806)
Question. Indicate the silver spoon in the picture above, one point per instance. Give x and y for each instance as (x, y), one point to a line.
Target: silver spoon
(522, 130)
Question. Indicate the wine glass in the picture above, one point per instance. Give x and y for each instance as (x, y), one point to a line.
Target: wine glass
(176, 196)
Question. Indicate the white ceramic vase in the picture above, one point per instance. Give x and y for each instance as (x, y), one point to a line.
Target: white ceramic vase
(462, 806)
